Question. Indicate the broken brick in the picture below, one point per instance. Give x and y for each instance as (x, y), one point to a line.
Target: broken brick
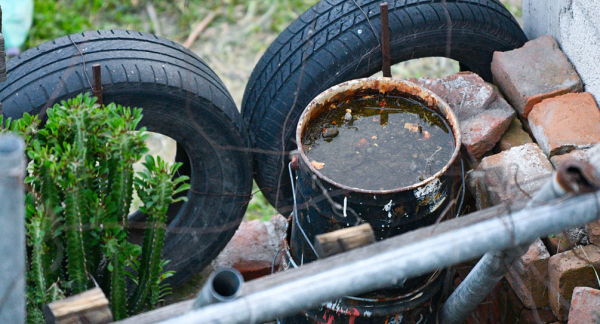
(560, 242)
(253, 247)
(585, 306)
(534, 72)
(529, 274)
(482, 113)
(513, 137)
(567, 270)
(566, 123)
(513, 174)
(581, 155)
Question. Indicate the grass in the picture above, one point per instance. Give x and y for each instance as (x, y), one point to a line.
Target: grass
(51, 19)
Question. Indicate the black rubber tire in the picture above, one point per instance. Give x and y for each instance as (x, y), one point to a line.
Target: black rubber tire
(334, 42)
(181, 97)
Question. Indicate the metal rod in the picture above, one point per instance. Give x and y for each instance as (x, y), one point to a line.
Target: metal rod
(97, 75)
(222, 285)
(573, 177)
(385, 41)
(374, 267)
(12, 229)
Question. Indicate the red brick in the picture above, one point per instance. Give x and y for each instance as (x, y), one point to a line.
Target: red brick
(581, 155)
(568, 270)
(593, 232)
(537, 316)
(496, 174)
(528, 276)
(585, 306)
(560, 242)
(537, 71)
(513, 137)
(482, 112)
(566, 123)
(253, 247)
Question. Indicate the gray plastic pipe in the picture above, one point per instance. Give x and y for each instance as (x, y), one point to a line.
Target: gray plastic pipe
(222, 285)
(12, 229)
(311, 285)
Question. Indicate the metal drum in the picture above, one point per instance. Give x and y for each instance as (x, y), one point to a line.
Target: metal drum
(323, 206)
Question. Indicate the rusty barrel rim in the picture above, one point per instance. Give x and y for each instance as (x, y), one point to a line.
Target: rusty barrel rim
(383, 85)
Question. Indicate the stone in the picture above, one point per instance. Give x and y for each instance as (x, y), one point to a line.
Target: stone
(481, 111)
(574, 24)
(253, 247)
(537, 316)
(514, 136)
(534, 72)
(570, 269)
(560, 242)
(566, 123)
(593, 232)
(497, 173)
(529, 274)
(581, 155)
(585, 306)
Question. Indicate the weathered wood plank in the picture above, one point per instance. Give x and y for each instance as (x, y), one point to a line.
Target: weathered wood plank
(88, 307)
(343, 240)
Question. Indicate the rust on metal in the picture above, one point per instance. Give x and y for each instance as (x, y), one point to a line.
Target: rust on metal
(351, 89)
(576, 176)
(97, 75)
(385, 41)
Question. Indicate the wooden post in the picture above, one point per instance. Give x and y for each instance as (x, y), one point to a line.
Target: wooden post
(344, 240)
(97, 75)
(88, 307)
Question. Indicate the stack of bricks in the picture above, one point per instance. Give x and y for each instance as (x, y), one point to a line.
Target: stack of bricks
(557, 279)
(513, 146)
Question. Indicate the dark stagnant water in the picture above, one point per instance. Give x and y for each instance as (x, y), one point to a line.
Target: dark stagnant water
(378, 142)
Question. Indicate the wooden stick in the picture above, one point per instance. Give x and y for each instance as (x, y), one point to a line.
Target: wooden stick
(201, 26)
(88, 307)
(344, 240)
(385, 41)
(97, 75)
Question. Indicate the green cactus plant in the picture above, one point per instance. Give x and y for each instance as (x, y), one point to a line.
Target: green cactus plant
(80, 186)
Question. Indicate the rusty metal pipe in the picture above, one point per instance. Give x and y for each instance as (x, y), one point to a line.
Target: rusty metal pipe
(573, 177)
